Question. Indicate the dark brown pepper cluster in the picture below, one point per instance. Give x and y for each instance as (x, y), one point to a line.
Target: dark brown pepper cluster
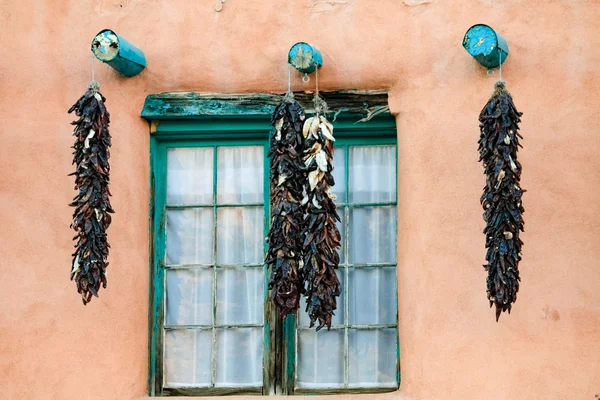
(91, 217)
(321, 238)
(501, 199)
(285, 243)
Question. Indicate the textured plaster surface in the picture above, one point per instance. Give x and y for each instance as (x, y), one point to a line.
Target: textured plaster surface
(52, 347)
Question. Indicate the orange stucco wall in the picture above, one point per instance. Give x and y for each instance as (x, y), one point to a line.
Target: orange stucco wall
(52, 347)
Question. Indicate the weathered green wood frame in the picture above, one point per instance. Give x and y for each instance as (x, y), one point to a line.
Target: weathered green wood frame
(192, 119)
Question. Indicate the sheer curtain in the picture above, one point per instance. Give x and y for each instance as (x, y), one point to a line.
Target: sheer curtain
(240, 174)
(372, 174)
(370, 293)
(238, 290)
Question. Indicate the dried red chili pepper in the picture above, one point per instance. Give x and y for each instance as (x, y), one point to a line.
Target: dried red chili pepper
(321, 285)
(91, 217)
(286, 167)
(501, 199)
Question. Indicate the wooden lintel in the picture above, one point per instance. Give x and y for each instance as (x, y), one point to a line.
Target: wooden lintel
(197, 105)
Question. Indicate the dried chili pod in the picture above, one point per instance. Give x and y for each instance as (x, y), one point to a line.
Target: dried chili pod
(284, 255)
(91, 217)
(501, 199)
(321, 238)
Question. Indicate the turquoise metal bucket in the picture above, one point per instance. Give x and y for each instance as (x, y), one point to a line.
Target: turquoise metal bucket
(117, 52)
(485, 45)
(305, 58)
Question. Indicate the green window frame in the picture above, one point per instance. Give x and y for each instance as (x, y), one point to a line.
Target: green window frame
(279, 355)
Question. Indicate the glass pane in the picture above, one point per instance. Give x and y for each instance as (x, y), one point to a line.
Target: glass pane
(188, 356)
(240, 235)
(372, 235)
(239, 357)
(338, 318)
(372, 357)
(240, 175)
(189, 296)
(372, 174)
(190, 236)
(320, 359)
(339, 189)
(372, 295)
(190, 175)
(240, 295)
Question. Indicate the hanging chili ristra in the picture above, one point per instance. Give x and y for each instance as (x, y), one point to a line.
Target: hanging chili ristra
(285, 244)
(91, 217)
(321, 236)
(501, 199)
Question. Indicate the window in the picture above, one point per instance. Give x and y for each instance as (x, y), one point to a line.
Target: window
(214, 331)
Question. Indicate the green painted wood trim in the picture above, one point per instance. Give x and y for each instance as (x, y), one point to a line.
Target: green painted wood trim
(176, 105)
(239, 128)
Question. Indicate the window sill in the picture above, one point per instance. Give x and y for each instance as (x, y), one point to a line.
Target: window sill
(384, 396)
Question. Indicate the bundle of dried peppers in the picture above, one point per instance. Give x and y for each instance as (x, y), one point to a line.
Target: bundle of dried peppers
(91, 217)
(321, 238)
(501, 199)
(284, 255)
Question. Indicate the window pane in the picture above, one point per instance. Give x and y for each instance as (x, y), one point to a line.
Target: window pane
(372, 357)
(239, 357)
(339, 189)
(240, 295)
(189, 296)
(372, 295)
(372, 235)
(190, 236)
(320, 359)
(188, 356)
(240, 235)
(338, 318)
(190, 175)
(372, 174)
(240, 175)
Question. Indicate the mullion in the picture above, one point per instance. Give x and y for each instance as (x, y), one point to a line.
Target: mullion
(213, 372)
(186, 206)
(207, 327)
(354, 326)
(207, 266)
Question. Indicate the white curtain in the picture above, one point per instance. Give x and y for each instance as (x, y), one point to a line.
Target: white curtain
(189, 296)
(372, 174)
(372, 357)
(372, 296)
(188, 357)
(240, 295)
(239, 290)
(240, 175)
(320, 358)
(239, 357)
(190, 236)
(190, 176)
(372, 235)
(240, 235)
(371, 291)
